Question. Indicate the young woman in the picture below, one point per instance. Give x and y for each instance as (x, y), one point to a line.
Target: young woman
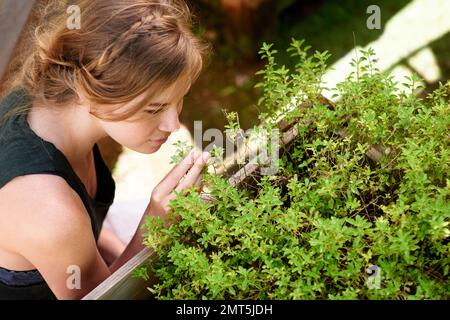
(123, 74)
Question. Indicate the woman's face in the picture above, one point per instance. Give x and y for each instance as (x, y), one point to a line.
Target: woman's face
(150, 127)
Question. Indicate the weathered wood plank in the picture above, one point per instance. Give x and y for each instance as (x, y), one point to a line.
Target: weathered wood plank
(121, 285)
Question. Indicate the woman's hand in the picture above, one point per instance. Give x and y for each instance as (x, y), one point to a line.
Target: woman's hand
(182, 176)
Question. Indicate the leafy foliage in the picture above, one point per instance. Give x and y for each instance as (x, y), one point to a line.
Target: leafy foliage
(312, 230)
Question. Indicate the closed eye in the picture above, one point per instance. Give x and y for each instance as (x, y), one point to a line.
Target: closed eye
(153, 111)
(156, 108)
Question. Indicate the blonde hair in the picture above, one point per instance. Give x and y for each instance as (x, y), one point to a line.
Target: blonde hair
(123, 49)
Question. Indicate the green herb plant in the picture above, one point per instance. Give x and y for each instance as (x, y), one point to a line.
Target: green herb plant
(330, 213)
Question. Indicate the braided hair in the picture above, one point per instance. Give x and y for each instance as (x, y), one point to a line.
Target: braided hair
(123, 49)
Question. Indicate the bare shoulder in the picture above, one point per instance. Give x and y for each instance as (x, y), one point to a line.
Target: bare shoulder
(45, 221)
(41, 203)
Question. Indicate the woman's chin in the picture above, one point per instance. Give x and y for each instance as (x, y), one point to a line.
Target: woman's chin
(155, 149)
(149, 147)
(146, 148)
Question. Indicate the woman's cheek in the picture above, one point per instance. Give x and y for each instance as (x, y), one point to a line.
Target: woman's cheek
(122, 133)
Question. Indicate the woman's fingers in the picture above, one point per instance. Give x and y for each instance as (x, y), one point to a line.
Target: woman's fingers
(194, 173)
(172, 179)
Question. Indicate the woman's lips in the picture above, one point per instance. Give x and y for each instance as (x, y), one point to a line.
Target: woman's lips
(159, 141)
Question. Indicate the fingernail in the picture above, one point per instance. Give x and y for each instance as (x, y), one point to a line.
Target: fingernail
(191, 157)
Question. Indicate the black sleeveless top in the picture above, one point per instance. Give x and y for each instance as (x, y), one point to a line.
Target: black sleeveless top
(23, 152)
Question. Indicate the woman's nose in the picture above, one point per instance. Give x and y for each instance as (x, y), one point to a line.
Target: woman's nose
(170, 121)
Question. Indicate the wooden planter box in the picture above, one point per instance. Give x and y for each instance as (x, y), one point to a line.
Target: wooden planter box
(122, 286)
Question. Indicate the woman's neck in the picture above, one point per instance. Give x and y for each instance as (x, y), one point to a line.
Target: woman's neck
(74, 131)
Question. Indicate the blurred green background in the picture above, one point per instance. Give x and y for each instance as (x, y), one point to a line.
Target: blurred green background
(237, 28)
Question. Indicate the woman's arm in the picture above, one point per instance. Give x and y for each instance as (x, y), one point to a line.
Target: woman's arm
(109, 245)
(51, 228)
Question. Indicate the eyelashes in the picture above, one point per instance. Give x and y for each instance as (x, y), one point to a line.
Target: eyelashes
(161, 108)
(153, 112)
